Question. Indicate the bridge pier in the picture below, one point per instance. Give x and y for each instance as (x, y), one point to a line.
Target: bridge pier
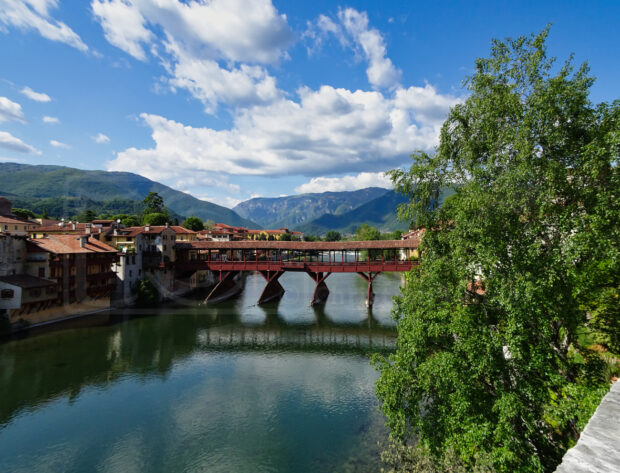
(273, 289)
(321, 291)
(370, 295)
(224, 289)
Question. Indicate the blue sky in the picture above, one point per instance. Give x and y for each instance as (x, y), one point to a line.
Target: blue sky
(229, 99)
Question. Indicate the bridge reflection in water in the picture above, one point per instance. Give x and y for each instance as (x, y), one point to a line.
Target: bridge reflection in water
(101, 350)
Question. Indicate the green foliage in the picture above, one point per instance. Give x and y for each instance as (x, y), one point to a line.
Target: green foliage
(209, 224)
(311, 238)
(366, 232)
(23, 213)
(33, 186)
(86, 216)
(488, 362)
(155, 219)
(262, 237)
(333, 235)
(153, 203)
(403, 458)
(127, 220)
(194, 223)
(146, 293)
(286, 237)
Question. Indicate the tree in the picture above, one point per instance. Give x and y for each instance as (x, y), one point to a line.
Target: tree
(86, 216)
(193, 223)
(155, 219)
(23, 213)
(127, 220)
(154, 203)
(332, 235)
(286, 237)
(488, 362)
(366, 232)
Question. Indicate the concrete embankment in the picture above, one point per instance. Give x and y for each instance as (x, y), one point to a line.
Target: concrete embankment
(598, 448)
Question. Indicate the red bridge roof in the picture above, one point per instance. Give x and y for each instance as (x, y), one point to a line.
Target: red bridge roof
(410, 243)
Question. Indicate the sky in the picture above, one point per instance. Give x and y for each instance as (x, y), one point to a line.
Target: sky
(233, 99)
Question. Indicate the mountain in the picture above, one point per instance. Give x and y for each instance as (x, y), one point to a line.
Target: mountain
(31, 184)
(295, 210)
(380, 212)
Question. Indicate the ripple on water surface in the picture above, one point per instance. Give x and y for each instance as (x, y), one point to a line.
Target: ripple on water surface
(236, 387)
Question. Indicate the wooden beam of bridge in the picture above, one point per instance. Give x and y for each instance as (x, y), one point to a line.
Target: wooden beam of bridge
(273, 258)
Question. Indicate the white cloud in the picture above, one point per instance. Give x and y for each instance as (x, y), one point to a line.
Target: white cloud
(346, 183)
(51, 120)
(10, 111)
(123, 26)
(224, 201)
(326, 131)
(58, 144)
(352, 29)
(208, 82)
(35, 15)
(381, 72)
(210, 49)
(36, 96)
(10, 142)
(101, 138)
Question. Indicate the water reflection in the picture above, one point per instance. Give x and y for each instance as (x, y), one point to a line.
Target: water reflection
(278, 387)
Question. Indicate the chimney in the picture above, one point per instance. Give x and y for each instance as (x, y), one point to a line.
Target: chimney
(83, 240)
(147, 227)
(87, 229)
(167, 224)
(73, 226)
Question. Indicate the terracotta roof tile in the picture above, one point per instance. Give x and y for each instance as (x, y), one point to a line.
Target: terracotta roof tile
(64, 244)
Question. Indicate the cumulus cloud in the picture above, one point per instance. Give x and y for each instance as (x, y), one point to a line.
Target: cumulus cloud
(208, 48)
(51, 120)
(10, 111)
(35, 15)
(12, 143)
(58, 144)
(346, 183)
(101, 138)
(211, 84)
(325, 131)
(352, 29)
(36, 96)
(123, 26)
(381, 72)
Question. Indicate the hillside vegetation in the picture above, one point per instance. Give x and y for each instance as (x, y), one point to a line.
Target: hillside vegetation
(29, 186)
(295, 210)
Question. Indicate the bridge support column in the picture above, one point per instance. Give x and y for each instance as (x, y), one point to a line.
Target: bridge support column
(321, 290)
(273, 289)
(224, 289)
(370, 296)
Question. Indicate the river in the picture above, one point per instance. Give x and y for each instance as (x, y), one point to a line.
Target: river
(233, 387)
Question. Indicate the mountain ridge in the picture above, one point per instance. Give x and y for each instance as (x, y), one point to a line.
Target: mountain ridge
(292, 211)
(29, 182)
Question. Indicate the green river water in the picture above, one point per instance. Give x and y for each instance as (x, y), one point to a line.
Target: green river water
(233, 387)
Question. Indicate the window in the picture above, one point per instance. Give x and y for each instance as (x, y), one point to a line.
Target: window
(130, 273)
(41, 272)
(7, 294)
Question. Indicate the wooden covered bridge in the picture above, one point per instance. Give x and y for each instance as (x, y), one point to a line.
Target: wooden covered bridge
(272, 258)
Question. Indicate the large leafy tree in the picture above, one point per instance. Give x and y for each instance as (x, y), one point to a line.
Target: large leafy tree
(193, 223)
(488, 366)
